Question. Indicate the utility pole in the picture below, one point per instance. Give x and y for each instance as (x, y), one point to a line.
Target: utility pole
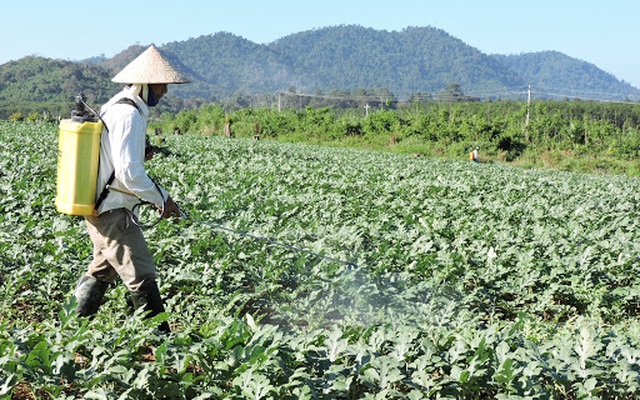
(526, 122)
(279, 101)
(366, 110)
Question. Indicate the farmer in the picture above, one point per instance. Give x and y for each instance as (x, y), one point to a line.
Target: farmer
(474, 155)
(119, 248)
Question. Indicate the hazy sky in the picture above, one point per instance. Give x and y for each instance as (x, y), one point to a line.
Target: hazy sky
(603, 33)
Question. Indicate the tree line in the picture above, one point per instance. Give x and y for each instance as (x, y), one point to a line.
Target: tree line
(608, 134)
(584, 136)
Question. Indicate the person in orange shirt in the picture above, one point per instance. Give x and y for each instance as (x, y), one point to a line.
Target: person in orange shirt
(473, 156)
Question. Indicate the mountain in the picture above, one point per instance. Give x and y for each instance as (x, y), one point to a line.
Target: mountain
(349, 58)
(42, 79)
(412, 60)
(345, 58)
(552, 71)
(416, 59)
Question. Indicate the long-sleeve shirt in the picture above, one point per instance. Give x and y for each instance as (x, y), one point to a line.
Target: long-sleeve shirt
(122, 150)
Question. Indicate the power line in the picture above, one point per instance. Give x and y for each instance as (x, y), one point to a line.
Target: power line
(339, 97)
(514, 93)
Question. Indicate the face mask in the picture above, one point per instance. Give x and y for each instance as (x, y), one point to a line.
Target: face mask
(152, 100)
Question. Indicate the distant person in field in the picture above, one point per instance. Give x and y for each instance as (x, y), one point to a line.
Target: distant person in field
(474, 156)
(119, 248)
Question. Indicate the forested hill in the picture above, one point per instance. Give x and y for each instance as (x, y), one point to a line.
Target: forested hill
(345, 58)
(551, 71)
(415, 60)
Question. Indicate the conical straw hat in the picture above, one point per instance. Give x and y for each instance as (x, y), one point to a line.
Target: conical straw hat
(150, 67)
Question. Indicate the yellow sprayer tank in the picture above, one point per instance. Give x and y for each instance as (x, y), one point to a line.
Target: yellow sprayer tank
(78, 156)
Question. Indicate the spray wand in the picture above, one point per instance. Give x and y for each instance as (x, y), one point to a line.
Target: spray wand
(185, 216)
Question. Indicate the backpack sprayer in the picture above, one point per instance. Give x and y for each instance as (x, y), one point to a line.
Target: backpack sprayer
(78, 158)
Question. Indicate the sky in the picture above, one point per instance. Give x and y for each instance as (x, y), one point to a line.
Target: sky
(603, 33)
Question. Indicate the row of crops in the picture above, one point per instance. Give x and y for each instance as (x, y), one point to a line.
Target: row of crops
(449, 279)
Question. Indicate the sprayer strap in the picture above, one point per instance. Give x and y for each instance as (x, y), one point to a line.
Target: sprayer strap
(105, 191)
(126, 100)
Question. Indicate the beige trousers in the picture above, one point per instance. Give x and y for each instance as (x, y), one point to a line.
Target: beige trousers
(119, 250)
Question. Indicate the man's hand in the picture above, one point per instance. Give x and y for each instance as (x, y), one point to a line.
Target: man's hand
(171, 209)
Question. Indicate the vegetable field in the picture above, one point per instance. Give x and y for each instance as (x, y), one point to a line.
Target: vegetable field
(453, 280)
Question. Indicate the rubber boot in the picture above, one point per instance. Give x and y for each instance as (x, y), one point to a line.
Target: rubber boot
(89, 293)
(148, 297)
